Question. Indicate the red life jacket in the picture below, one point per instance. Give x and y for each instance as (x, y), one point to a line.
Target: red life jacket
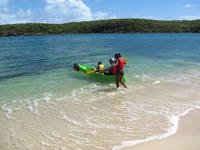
(114, 69)
(121, 63)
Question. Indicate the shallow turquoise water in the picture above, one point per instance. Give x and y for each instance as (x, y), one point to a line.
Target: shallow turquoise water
(34, 65)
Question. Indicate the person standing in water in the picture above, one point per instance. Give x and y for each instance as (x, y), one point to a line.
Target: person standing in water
(120, 72)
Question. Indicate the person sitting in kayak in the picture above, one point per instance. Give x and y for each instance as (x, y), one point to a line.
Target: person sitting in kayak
(120, 72)
(113, 69)
(100, 67)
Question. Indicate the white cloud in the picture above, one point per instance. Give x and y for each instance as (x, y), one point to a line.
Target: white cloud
(21, 16)
(148, 17)
(55, 11)
(189, 17)
(100, 15)
(62, 11)
(67, 10)
(189, 5)
(103, 15)
(144, 17)
(23, 13)
(7, 18)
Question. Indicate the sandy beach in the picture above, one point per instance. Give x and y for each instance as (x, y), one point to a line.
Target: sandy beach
(186, 138)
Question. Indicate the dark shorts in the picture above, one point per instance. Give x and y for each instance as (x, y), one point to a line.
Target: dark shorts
(120, 72)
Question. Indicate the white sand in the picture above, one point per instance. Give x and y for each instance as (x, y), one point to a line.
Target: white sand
(186, 138)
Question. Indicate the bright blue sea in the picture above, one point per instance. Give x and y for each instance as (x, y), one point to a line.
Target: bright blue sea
(32, 65)
(36, 75)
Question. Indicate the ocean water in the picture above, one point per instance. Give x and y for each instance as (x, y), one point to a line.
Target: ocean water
(45, 104)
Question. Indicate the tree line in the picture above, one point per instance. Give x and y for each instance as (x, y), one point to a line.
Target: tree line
(103, 26)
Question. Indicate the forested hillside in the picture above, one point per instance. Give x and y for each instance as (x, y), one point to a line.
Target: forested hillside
(103, 26)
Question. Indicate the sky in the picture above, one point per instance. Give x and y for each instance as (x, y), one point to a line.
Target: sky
(63, 11)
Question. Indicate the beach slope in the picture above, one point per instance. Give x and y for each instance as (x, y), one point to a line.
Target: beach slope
(186, 138)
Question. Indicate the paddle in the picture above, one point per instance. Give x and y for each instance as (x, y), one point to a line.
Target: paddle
(91, 72)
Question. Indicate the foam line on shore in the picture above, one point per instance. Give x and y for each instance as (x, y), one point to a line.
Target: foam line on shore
(171, 131)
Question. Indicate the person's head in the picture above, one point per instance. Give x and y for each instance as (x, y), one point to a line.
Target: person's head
(118, 55)
(112, 61)
(99, 63)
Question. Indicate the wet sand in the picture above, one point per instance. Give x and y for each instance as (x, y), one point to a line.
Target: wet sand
(187, 136)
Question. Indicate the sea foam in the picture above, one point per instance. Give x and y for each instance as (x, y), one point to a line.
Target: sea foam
(174, 120)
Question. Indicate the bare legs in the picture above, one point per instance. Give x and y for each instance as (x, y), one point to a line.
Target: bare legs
(119, 79)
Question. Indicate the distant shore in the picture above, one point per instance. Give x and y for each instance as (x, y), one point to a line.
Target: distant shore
(186, 138)
(103, 26)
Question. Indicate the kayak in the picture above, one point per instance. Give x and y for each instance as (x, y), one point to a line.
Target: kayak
(97, 76)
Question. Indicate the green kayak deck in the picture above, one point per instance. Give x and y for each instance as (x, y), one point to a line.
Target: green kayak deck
(100, 77)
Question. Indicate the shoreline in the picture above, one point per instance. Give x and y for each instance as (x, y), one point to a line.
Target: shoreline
(46, 34)
(183, 130)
